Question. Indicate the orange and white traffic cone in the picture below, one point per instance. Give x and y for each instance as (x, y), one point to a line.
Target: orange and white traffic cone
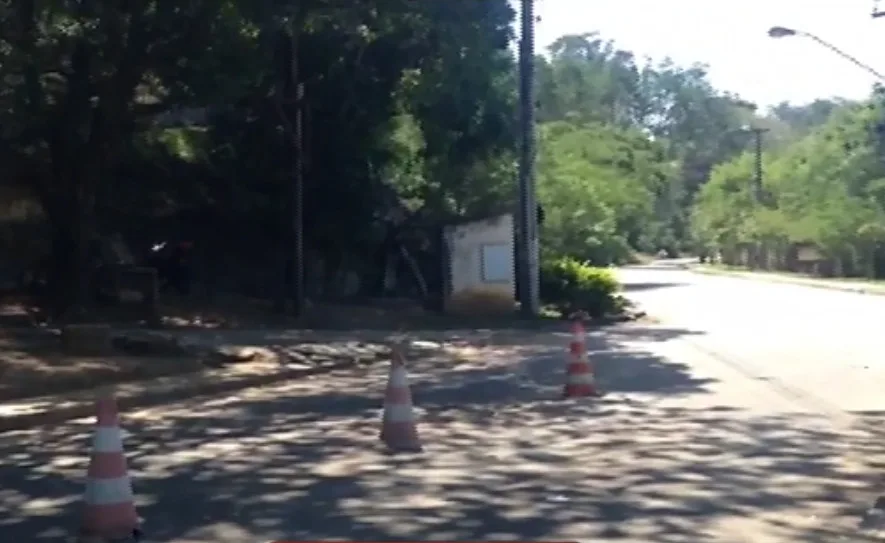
(579, 380)
(399, 426)
(109, 515)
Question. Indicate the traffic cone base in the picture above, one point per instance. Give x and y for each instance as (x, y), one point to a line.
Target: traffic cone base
(401, 436)
(580, 384)
(133, 537)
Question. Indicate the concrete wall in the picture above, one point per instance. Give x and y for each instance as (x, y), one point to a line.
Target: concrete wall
(479, 283)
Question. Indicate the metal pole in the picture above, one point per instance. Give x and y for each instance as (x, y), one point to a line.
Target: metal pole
(528, 209)
(298, 205)
(784, 32)
(869, 69)
(297, 90)
(757, 188)
(759, 250)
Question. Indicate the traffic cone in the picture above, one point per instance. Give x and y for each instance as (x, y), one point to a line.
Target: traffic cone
(398, 425)
(579, 379)
(109, 515)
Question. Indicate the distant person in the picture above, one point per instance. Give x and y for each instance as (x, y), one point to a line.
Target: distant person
(173, 264)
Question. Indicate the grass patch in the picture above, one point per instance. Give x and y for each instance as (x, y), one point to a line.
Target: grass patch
(785, 276)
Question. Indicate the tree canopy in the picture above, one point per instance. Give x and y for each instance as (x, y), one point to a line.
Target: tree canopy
(150, 117)
(823, 190)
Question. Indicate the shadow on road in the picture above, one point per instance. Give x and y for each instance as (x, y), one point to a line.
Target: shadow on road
(505, 459)
(640, 333)
(660, 266)
(634, 287)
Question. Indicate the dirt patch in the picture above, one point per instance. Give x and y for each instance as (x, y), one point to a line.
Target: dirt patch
(33, 364)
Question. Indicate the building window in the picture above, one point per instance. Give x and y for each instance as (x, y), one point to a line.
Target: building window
(495, 263)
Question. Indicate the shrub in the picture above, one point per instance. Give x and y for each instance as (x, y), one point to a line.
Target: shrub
(572, 285)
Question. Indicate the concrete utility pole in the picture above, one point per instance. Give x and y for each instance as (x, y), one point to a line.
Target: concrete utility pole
(527, 220)
(757, 145)
(758, 133)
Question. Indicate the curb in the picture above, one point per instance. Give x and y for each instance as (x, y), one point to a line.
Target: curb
(811, 283)
(85, 408)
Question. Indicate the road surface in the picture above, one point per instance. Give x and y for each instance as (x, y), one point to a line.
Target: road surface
(827, 345)
(718, 425)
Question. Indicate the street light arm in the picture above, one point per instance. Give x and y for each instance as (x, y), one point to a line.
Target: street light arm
(844, 55)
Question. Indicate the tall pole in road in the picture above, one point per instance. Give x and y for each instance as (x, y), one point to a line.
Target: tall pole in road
(784, 32)
(528, 210)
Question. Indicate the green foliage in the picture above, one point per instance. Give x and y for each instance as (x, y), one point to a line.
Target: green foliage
(824, 190)
(624, 147)
(600, 185)
(573, 285)
(403, 102)
(86, 143)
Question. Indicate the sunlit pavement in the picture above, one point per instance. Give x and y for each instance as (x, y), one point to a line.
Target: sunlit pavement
(684, 447)
(827, 346)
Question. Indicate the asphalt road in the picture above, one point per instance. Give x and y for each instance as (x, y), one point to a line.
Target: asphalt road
(718, 425)
(826, 344)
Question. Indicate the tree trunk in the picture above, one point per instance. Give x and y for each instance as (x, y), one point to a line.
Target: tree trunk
(63, 270)
(69, 202)
(70, 267)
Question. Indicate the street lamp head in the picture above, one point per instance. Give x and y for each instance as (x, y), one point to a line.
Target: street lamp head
(781, 32)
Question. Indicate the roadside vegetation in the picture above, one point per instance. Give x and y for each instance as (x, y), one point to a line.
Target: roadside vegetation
(151, 121)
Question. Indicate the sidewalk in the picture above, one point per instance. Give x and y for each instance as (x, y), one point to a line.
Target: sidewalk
(57, 408)
(858, 286)
(54, 409)
(681, 448)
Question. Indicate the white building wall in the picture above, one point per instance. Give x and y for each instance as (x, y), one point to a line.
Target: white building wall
(467, 243)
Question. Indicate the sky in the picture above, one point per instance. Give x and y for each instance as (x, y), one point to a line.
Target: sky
(730, 36)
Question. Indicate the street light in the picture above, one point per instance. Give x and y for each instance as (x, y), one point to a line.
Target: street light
(780, 32)
(783, 32)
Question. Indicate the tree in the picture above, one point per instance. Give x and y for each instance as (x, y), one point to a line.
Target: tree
(824, 190)
(86, 80)
(672, 115)
(80, 78)
(600, 184)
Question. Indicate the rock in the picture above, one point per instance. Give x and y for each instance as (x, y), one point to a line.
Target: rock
(426, 345)
(217, 357)
(87, 339)
(242, 354)
(327, 353)
(294, 358)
